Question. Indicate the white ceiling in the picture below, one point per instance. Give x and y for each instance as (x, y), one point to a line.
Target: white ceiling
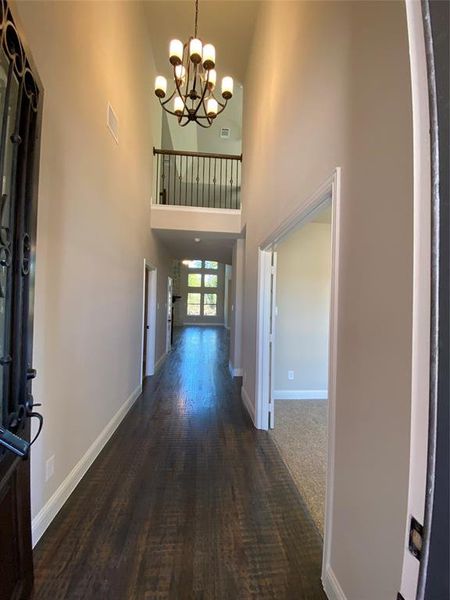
(212, 246)
(226, 24)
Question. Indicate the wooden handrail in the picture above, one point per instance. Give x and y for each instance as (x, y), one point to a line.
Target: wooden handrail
(198, 154)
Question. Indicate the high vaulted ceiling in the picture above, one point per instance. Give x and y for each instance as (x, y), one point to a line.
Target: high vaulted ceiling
(226, 24)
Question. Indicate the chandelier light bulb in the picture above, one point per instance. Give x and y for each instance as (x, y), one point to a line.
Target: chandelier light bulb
(175, 52)
(209, 56)
(212, 79)
(160, 86)
(195, 50)
(211, 107)
(180, 72)
(178, 106)
(227, 87)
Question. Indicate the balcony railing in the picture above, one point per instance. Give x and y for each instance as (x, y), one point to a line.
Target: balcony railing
(198, 179)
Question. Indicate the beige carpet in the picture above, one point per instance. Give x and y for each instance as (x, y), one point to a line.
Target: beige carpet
(301, 435)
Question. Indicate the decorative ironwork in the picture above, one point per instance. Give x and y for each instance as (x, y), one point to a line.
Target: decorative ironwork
(14, 50)
(194, 76)
(19, 103)
(198, 179)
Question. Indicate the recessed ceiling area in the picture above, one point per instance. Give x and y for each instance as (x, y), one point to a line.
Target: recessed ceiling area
(212, 246)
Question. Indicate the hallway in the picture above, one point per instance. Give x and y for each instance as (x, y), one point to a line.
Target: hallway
(187, 500)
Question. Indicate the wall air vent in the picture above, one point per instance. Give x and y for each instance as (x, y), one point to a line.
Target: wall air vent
(113, 122)
(225, 132)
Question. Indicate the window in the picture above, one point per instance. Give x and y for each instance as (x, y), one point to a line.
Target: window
(193, 304)
(202, 288)
(211, 264)
(210, 305)
(210, 281)
(194, 280)
(195, 264)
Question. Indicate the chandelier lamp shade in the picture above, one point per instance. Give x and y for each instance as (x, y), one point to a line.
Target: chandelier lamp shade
(194, 97)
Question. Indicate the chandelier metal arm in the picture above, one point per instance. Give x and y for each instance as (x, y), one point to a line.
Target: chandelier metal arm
(202, 99)
(163, 104)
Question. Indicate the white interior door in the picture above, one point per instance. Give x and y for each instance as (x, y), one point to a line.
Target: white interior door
(169, 314)
(272, 324)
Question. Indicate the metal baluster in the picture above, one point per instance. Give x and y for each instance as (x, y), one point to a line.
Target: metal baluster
(175, 171)
(226, 181)
(158, 191)
(214, 180)
(220, 184)
(181, 178)
(163, 177)
(238, 195)
(186, 182)
(209, 183)
(203, 183)
(168, 183)
(198, 169)
(192, 181)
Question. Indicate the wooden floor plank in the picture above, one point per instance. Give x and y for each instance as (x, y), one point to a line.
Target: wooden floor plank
(186, 501)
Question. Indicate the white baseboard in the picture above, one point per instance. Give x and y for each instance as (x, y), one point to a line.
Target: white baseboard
(331, 585)
(235, 372)
(159, 362)
(248, 405)
(49, 511)
(300, 394)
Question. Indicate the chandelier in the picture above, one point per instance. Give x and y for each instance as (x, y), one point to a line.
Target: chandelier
(195, 79)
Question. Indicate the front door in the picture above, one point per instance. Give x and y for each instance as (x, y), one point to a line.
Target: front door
(19, 141)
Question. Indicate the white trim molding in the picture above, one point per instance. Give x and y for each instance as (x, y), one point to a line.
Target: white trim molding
(235, 371)
(49, 511)
(248, 404)
(300, 395)
(196, 209)
(331, 585)
(421, 326)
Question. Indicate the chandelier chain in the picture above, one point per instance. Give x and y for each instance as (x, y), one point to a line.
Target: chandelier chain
(196, 18)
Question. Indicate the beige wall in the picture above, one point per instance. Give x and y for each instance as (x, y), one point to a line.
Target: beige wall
(93, 222)
(348, 105)
(303, 309)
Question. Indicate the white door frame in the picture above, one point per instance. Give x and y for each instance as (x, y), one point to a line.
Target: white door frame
(151, 319)
(329, 190)
(421, 323)
(169, 310)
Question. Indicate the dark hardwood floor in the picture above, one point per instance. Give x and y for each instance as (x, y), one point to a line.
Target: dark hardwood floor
(187, 500)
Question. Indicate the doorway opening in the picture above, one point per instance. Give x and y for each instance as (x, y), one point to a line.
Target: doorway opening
(296, 346)
(149, 321)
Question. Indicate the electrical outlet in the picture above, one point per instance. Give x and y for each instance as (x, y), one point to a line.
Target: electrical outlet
(290, 375)
(49, 467)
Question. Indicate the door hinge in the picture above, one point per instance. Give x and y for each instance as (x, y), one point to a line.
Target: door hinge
(415, 538)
